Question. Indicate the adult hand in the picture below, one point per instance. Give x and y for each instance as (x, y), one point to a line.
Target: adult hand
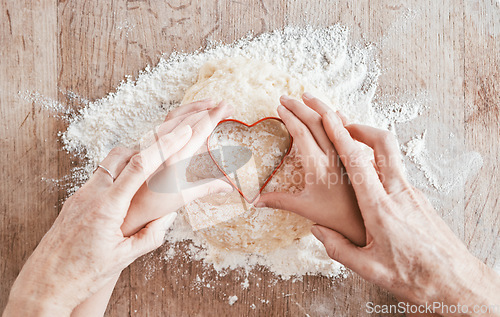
(169, 183)
(86, 248)
(410, 250)
(328, 197)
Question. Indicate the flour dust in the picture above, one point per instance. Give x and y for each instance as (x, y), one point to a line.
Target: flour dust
(346, 73)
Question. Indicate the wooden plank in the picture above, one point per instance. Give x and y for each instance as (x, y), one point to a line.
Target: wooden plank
(447, 48)
(482, 130)
(28, 146)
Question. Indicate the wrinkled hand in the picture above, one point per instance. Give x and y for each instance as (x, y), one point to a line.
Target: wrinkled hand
(328, 197)
(86, 247)
(410, 250)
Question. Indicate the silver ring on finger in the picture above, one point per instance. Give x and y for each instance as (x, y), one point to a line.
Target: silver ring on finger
(106, 170)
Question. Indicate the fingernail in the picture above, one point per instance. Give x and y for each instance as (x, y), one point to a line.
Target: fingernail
(342, 116)
(280, 108)
(307, 95)
(182, 131)
(316, 231)
(259, 204)
(285, 97)
(169, 219)
(334, 117)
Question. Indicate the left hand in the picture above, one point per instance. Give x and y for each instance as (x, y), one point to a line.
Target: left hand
(85, 248)
(410, 251)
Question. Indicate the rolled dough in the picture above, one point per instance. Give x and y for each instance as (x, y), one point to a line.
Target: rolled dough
(253, 88)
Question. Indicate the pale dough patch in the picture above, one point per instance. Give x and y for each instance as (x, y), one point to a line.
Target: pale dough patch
(253, 88)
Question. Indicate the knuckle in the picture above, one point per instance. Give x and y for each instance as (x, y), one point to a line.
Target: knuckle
(384, 210)
(418, 194)
(405, 187)
(356, 159)
(198, 129)
(136, 163)
(414, 195)
(399, 187)
(332, 251)
(338, 134)
(301, 132)
(314, 121)
(277, 204)
(208, 190)
(165, 141)
(213, 188)
(119, 151)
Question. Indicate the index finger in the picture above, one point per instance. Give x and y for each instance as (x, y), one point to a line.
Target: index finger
(362, 174)
(387, 154)
(141, 166)
(311, 119)
(315, 104)
(202, 129)
(194, 106)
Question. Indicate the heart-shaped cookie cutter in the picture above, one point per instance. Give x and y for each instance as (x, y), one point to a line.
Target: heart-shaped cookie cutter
(270, 175)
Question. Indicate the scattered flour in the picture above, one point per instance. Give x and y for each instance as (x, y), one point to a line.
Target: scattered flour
(435, 168)
(61, 110)
(346, 74)
(232, 299)
(245, 284)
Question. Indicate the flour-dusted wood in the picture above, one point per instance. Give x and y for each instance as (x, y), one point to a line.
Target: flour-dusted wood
(449, 49)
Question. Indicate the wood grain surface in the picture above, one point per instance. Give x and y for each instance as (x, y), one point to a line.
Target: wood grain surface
(448, 49)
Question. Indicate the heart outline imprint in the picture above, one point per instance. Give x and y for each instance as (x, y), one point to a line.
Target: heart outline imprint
(249, 126)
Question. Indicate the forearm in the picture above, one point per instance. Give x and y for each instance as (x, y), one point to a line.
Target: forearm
(473, 284)
(30, 307)
(26, 299)
(479, 287)
(96, 304)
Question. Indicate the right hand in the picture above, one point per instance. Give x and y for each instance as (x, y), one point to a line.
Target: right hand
(410, 250)
(327, 188)
(167, 191)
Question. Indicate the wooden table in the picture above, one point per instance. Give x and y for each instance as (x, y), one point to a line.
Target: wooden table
(449, 49)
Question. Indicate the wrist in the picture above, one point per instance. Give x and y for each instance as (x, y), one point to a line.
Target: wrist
(470, 283)
(32, 295)
(33, 306)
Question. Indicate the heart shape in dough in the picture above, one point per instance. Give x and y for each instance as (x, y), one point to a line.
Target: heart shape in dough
(249, 154)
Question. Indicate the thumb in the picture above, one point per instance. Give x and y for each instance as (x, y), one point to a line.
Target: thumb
(204, 188)
(277, 200)
(338, 247)
(151, 236)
